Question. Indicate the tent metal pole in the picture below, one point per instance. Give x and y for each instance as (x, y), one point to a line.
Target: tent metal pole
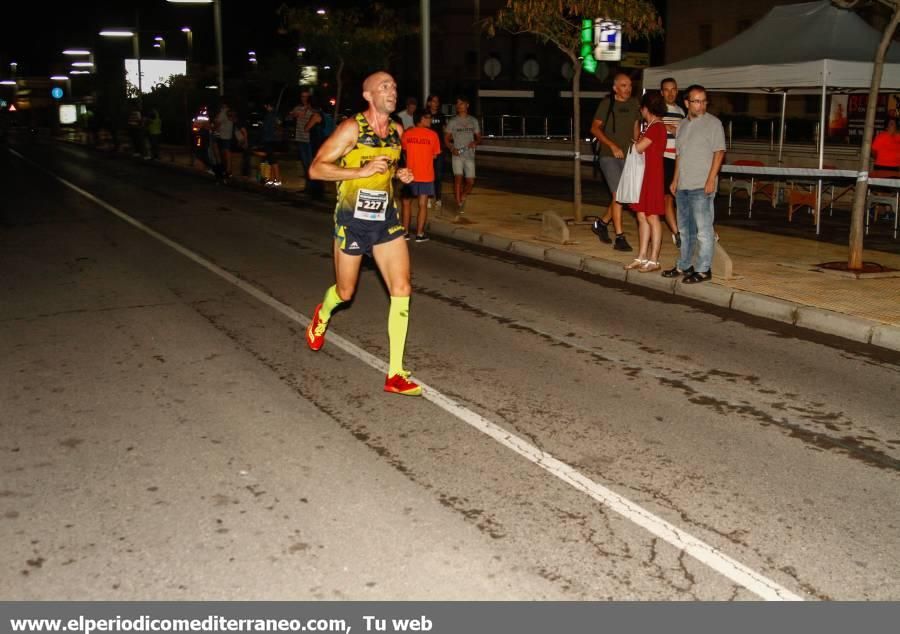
(821, 156)
(781, 133)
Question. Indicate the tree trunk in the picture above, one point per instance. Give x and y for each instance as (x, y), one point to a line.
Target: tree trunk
(855, 261)
(340, 86)
(576, 135)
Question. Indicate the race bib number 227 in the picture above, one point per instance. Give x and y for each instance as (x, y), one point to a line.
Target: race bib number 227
(371, 204)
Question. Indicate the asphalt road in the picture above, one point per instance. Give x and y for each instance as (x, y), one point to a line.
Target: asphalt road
(164, 434)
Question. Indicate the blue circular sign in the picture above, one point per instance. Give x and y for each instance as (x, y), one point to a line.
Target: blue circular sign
(57, 92)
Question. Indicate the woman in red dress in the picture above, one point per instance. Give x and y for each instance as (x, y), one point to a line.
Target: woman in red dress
(652, 204)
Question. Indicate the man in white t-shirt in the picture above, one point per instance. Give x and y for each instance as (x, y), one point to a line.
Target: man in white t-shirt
(408, 116)
(462, 134)
(669, 89)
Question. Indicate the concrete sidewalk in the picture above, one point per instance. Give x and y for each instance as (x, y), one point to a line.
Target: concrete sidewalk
(775, 277)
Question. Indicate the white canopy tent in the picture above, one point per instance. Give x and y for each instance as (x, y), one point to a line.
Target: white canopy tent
(807, 48)
(797, 47)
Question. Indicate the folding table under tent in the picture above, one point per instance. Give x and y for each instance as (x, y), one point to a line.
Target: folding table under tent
(808, 48)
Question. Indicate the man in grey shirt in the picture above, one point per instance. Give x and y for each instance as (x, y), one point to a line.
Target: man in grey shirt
(462, 135)
(700, 145)
(616, 126)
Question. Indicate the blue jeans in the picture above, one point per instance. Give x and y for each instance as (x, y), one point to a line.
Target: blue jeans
(695, 222)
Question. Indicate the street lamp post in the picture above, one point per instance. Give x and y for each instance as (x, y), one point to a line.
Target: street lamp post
(190, 42)
(136, 46)
(217, 20)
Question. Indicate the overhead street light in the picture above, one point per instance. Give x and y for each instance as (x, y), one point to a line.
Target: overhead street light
(8, 82)
(136, 47)
(190, 42)
(79, 72)
(76, 51)
(83, 64)
(217, 21)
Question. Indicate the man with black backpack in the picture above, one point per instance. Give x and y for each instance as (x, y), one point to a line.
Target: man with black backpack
(616, 125)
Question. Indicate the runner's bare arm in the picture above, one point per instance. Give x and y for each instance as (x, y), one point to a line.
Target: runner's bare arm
(324, 167)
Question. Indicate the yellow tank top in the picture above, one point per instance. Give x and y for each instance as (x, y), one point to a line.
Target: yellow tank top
(370, 198)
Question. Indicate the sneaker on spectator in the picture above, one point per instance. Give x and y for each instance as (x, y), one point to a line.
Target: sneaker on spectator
(421, 238)
(601, 230)
(621, 243)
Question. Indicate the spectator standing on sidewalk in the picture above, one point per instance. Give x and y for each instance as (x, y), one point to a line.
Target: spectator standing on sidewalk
(305, 117)
(886, 149)
(433, 107)
(462, 135)
(270, 138)
(408, 116)
(420, 145)
(154, 132)
(672, 119)
(223, 134)
(241, 142)
(616, 125)
(652, 203)
(136, 129)
(700, 144)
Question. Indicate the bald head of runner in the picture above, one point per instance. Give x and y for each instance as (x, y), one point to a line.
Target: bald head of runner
(380, 90)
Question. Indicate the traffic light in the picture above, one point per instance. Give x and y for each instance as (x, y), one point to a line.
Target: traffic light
(587, 46)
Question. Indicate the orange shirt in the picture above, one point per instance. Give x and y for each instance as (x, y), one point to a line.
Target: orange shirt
(421, 146)
(886, 148)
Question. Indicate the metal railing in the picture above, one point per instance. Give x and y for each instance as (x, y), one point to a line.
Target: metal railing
(509, 126)
(796, 131)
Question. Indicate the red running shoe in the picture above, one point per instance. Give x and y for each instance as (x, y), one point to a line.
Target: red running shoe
(315, 332)
(400, 384)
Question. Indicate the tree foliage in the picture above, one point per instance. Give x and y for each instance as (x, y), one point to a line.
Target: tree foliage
(352, 40)
(560, 22)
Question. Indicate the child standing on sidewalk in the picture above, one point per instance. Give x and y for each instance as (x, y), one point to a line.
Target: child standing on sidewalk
(420, 145)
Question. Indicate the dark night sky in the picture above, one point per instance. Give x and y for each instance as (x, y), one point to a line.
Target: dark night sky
(33, 33)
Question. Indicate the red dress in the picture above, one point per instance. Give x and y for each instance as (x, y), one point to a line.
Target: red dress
(652, 202)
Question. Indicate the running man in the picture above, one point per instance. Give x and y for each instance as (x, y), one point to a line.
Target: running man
(362, 156)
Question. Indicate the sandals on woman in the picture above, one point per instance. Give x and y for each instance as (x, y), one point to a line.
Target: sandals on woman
(635, 264)
(649, 266)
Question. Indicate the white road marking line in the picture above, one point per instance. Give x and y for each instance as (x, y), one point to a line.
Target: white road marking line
(706, 554)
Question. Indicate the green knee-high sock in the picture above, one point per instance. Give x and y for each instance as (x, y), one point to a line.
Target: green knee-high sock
(398, 324)
(331, 301)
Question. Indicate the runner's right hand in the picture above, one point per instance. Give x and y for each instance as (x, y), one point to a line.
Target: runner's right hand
(378, 165)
